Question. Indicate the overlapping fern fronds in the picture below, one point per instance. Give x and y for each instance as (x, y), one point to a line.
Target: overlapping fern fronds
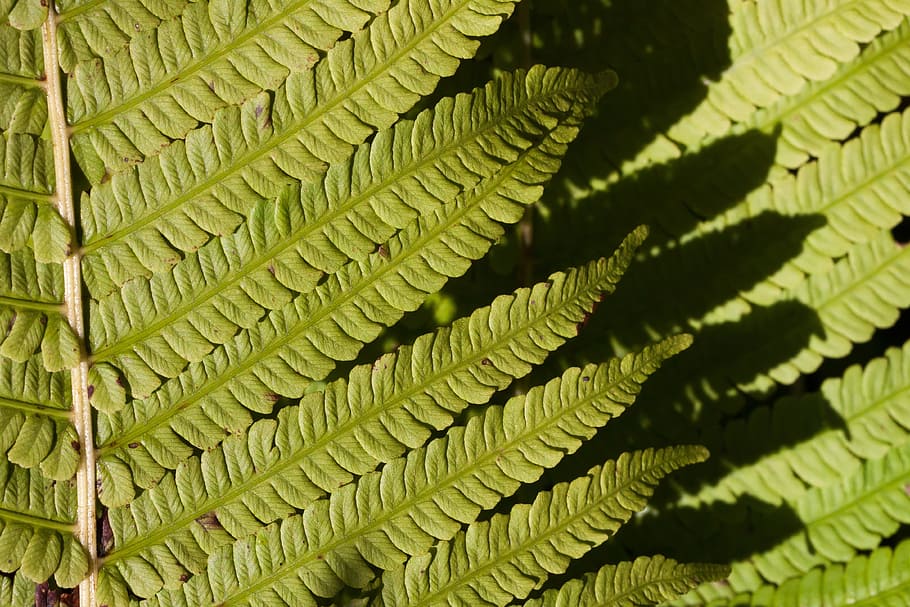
(208, 208)
(767, 144)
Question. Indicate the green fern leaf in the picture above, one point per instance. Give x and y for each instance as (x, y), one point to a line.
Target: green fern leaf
(24, 108)
(508, 556)
(864, 291)
(839, 520)
(831, 110)
(17, 591)
(301, 340)
(799, 44)
(357, 207)
(30, 396)
(27, 14)
(156, 89)
(89, 29)
(333, 435)
(859, 188)
(880, 578)
(250, 152)
(645, 581)
(399, 511)
(248, 209)
(870, 404)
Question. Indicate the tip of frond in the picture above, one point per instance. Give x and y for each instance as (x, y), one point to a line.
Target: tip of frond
(708, 572)
(638, 235)
(696, 454)
(675, 344)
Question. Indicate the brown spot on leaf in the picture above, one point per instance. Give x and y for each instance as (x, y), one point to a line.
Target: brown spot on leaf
(209, 521)
(76, 446)
(383, 251)
(91, 391)
(486, 362)
(133, 445)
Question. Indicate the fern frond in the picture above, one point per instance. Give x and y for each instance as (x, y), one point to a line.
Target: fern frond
(496, 561)
(92, 29)
(137, 223)
(36, 527)
(644, 581)
(879, 579)
(165, 82)
(422, 498)
(299, 343)
(32, 233)
(358, 206)
(777, 47)
(614, 489)
(20, 63)
(869, 402)
(163, 433)
(860, 188)
(831, 110)
(25, 197)
(839, 520)
(825, 111)
(863, 292)
(31, 310)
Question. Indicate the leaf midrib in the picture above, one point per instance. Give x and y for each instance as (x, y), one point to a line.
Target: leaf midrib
(877, 597)
(865, 279)
(23, 81)
(21, 518)
(292, 130)
(14, 192)
(31, 304)
(36, 408)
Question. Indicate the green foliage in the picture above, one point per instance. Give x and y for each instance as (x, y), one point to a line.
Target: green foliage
(232, 339)
(766, 143)
(209, 209)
